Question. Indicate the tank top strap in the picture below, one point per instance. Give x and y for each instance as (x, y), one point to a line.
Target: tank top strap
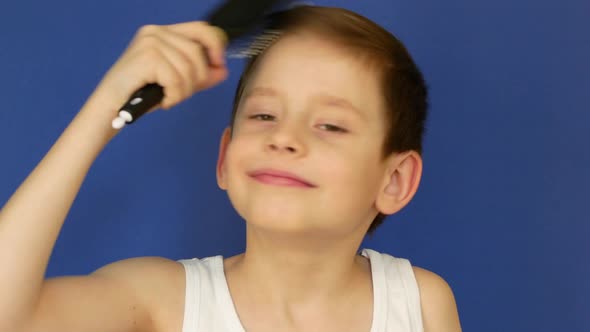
(396, 293)
(208, 305)
(192, 294)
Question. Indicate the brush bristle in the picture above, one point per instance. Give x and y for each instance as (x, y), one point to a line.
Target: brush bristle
(255, 46)
(252, 26)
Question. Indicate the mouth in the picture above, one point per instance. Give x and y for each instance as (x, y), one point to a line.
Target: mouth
(280, 178)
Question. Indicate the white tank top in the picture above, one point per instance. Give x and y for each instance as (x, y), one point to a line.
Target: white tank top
(209, 306)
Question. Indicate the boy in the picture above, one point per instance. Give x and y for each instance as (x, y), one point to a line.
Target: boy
(324, 141)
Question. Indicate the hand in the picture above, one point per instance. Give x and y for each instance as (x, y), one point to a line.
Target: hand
(183, 58)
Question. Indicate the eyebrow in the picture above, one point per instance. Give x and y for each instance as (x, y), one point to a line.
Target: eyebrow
(323, 99)
(261, 91)
(340, 102)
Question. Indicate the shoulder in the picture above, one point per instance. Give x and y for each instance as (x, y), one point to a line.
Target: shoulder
(439, 309)
(157, 283)
(142, 271)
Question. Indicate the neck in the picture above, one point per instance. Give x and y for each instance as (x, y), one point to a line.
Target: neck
(288, 271)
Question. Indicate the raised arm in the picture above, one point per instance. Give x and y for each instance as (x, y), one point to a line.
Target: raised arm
(172, 56)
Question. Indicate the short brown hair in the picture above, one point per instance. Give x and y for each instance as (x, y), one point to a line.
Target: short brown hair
(403, 87)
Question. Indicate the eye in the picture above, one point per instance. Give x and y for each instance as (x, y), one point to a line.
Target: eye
(263, 117)
(329, 127)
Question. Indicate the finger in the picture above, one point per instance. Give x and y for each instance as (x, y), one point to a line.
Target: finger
(190, 49)
(169, 67)
(154, 57)
(195, 53)
(187, 57)
(211, 37)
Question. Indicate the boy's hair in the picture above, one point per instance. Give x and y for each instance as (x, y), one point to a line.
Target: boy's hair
(403, 87)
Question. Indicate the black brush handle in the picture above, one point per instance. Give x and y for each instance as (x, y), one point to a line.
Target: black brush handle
(141, 101)
(234, 17)
(238, 17)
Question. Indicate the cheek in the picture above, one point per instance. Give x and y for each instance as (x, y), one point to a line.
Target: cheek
(354, 171)
(238, 157)
(232, 158)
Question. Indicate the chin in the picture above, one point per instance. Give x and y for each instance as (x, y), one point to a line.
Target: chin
(273, 220)
(278, 220)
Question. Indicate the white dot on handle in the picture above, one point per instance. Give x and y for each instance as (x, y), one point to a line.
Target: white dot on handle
(136, 101)
(118, 123)
(125, 115)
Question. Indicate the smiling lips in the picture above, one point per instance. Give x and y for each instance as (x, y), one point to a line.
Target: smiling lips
(280, 178)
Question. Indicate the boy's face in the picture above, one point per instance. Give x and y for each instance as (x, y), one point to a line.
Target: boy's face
(301, 89)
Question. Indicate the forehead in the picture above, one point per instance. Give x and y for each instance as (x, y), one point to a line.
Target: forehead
(302, 67)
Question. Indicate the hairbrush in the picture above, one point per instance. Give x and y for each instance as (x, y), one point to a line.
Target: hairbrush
(239, 19)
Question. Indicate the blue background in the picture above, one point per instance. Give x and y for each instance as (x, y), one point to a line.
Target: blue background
(502, 209)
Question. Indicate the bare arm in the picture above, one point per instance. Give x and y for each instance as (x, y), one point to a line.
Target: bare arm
(31, 220)
(439, 310)
(139, 294)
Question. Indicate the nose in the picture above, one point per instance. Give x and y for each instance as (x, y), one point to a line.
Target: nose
(285, 139)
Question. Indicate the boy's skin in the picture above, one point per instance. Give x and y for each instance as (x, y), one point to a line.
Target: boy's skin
(300, 256)
(300, 260)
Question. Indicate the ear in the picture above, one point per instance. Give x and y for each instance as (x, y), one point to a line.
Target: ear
(220, 169)
(400, 182)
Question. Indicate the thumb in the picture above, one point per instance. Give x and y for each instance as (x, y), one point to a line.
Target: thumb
(217, 74)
